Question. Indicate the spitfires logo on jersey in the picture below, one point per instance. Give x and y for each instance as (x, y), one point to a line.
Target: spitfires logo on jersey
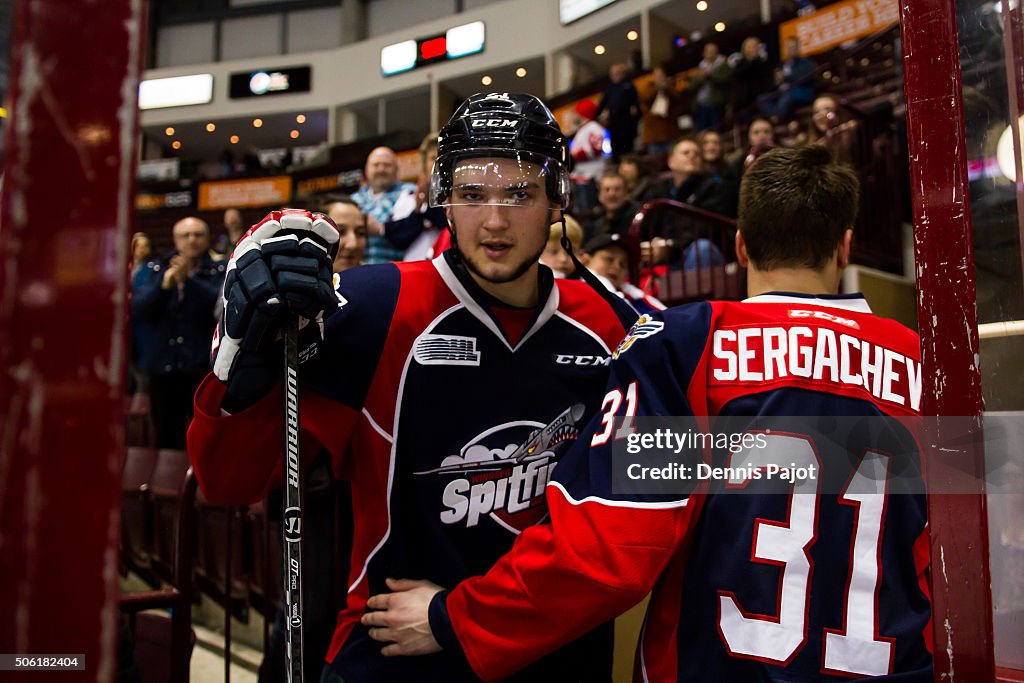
(502, 472)
(645, 326)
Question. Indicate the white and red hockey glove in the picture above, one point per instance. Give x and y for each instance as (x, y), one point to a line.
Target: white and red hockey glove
(280, 267)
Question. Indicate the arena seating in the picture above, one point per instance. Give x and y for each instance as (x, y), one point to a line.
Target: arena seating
(165, 489)
(137, 512)
(705, 270)
(219, 573)
(169, 484)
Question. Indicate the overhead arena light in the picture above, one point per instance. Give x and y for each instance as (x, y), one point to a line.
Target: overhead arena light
(571, 10)
(177, 91)
(467, 39)
(397, 58)
(456, 42)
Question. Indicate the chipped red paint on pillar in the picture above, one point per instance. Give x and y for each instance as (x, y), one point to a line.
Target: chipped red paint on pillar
(947, 318)
(67, 205)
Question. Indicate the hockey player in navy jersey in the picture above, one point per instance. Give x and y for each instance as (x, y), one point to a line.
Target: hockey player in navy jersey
(769, 584)
(427, 382)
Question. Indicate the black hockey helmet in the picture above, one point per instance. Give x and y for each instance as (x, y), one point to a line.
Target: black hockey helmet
(510, 125)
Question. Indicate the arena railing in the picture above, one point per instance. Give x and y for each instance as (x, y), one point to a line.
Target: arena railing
(686, 254)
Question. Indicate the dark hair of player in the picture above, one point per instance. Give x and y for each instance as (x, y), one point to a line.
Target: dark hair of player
(795, 206)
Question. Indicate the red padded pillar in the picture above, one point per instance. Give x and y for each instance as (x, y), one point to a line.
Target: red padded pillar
(65, 223)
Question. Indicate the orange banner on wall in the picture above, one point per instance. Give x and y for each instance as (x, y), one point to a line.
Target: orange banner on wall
(409, 165)
(239, 194)
(839, 23)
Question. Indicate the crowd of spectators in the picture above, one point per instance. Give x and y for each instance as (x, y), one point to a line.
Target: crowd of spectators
(628, 147)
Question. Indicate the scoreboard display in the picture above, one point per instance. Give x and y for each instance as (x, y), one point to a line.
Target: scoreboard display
(460, 41)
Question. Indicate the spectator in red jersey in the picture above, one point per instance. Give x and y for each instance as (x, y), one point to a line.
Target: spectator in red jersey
(587, 147)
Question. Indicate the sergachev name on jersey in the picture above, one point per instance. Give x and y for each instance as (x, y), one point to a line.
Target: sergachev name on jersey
(780, 353)
(503, 493)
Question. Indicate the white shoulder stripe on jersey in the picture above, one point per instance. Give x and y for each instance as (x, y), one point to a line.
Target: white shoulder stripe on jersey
(550, 309)
(550, 306)
(376, 427)
(581, 326)
(463, 296)
(620, 503)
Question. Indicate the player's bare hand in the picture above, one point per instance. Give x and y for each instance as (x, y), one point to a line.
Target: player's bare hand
(400, 618)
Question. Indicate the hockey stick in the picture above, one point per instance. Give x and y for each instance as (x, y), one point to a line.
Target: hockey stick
(292, 520)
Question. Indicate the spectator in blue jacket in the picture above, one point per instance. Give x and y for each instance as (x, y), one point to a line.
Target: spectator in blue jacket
(620, 107)
(795, 85)
(177, 296)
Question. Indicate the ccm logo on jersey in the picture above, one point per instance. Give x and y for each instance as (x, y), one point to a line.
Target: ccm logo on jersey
(582, 361)
(494, 123)
(822, 315)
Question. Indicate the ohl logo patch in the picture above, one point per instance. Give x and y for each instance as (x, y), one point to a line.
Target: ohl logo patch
(501, 473)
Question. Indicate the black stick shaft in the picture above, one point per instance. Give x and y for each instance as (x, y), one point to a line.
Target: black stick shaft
(292, 520)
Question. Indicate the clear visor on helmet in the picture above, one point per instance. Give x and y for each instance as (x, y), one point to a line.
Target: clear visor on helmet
(513, 181)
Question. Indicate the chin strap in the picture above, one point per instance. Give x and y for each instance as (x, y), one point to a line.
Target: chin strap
(454, 243)
(617, 303)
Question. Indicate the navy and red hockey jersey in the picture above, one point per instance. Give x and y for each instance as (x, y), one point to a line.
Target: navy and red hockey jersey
(785, 582)
(423, 401)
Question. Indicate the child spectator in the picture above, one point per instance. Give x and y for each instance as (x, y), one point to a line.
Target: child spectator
(554, 255)
(608, 257)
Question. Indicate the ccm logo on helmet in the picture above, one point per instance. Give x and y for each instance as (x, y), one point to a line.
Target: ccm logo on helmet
(494, 123)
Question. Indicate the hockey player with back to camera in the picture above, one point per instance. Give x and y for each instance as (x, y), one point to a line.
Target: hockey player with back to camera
(426, 382)
(754, 578)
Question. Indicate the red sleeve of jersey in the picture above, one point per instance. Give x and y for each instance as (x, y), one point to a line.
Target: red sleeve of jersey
(581, 303)
(593, 561)
(238, 458)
